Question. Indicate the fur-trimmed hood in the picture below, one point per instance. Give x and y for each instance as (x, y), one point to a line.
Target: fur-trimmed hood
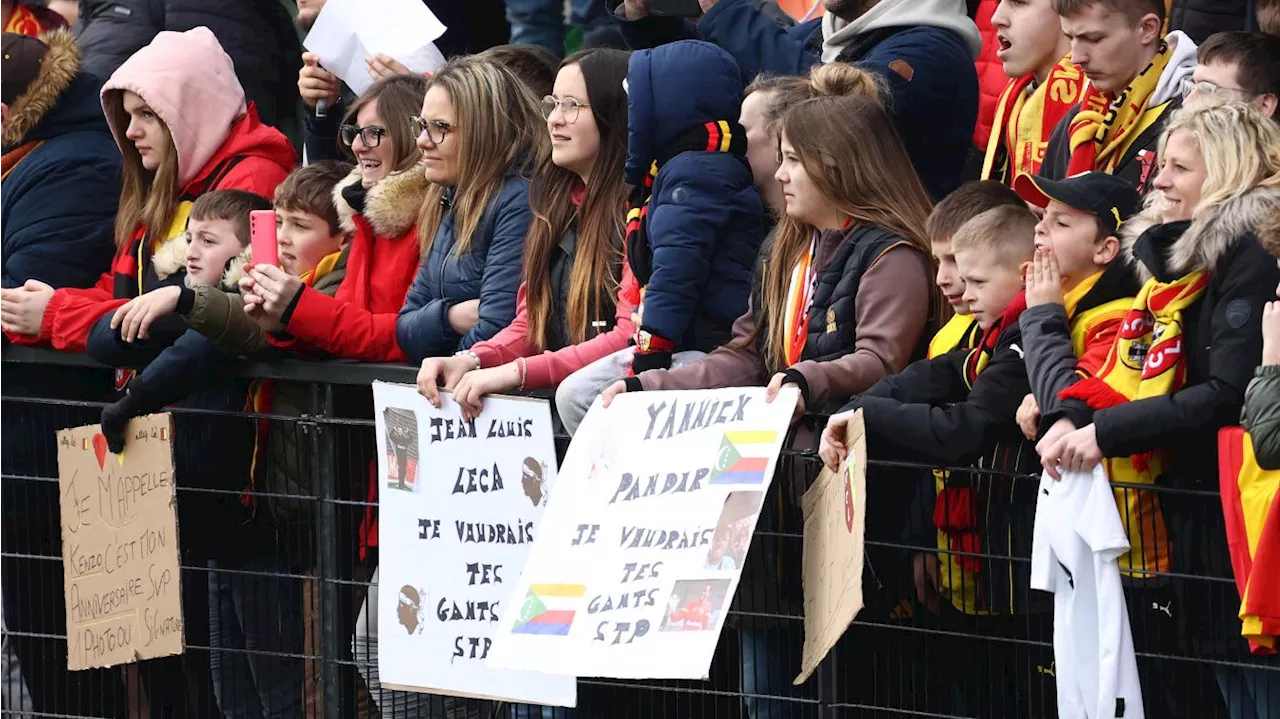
(1206, 238)
(59, 66)
(171, 256)
(391, 207)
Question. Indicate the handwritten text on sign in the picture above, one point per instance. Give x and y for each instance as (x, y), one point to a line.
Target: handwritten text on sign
(120, 545)
(640, 552)
(460, 504)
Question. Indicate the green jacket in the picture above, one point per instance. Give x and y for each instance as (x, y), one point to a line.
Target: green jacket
(1261, 415)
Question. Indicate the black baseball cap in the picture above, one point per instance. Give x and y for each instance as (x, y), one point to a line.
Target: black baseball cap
(1111, 199)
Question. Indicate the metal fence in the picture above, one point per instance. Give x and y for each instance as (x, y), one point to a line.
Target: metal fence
(289, 634)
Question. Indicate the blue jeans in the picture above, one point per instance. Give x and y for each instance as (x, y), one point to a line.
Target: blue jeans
(541, 22)
(1250, 693)
(262, 615)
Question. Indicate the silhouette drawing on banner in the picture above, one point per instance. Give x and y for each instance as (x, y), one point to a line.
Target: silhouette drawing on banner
(409, 610)
(733, 531)
(744, 457)
(402, 448)
(695, 605)
(549, 609)
(535, 487)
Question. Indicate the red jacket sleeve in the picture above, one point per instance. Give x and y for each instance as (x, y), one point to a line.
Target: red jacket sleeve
(258, 175)
(70, 315)
(342, 329)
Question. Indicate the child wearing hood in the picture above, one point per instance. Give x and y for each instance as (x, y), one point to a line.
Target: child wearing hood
(695, 221)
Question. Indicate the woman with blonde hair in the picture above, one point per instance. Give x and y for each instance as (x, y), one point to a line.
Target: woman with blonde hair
(1153, 411)
(481, 136)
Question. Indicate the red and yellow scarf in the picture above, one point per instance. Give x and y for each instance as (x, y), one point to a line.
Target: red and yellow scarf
(1024, 121)
(799, 300)
(24, 22)
(1107, 124)
(1147, 360)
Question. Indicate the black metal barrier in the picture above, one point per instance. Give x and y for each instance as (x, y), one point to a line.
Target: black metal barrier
(275, 582)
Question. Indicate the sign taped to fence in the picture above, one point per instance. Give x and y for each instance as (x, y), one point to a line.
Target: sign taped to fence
(460, 504)
(835, 522)
(120, 544)
(641, 549)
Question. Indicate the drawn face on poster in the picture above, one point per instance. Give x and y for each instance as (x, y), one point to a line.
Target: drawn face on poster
(402, 448)
(409, 609)
(732, 539)
(533, 482)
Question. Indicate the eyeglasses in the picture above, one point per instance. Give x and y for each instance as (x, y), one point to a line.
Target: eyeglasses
(436, 130)
(569, 106)
(1204, 88)
(371, 136)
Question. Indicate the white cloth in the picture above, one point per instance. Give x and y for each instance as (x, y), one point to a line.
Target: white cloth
(1182, 62)
(1077, 539)
(947, 14)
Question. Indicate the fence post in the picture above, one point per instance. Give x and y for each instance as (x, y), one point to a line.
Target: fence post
(324, 461)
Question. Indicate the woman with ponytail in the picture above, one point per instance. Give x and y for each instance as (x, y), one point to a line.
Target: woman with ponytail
(845, 295)
(566, 313)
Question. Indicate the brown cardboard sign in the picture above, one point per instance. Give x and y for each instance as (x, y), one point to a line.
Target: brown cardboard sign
(120, 544)
(835, 523)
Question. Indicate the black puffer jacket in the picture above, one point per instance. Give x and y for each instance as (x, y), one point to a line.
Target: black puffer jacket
(1202, 18)
(257, 34)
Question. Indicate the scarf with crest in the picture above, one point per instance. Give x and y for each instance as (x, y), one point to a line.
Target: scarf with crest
(1148, 359)
(1107, 124)
(1025, 120)
(719, 136)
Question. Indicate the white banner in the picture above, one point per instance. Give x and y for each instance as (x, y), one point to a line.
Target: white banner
(639, 555)
(461, 503)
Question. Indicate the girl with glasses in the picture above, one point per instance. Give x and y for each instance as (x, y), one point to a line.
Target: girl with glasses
(481, 135)
(567, 314)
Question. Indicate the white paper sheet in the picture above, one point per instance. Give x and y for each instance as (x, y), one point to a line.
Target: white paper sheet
(348, 31)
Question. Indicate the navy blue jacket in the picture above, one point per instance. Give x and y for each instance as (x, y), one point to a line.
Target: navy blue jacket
(59, 207)
(935, 108)
(490, 271)
(60, 200)
(705, 219)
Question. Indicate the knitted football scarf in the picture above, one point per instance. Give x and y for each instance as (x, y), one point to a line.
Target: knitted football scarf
(1025, 120)
(1106, 124)
(1147, 360)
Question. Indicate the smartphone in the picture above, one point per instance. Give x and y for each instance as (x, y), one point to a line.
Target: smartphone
(262, 237)
(675, 8)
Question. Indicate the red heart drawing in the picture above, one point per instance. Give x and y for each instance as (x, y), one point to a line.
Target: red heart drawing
(100, 448)
(848, 501)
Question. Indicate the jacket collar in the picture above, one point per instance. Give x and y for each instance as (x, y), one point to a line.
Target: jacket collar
(391, 207)
(59, 67)
(1169, 250)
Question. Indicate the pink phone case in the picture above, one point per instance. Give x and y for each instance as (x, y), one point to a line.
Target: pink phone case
(262, 237)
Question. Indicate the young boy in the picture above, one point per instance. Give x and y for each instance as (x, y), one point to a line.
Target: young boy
(1043, 85)
(1077, 293)
(958, 409)
(1245, 65)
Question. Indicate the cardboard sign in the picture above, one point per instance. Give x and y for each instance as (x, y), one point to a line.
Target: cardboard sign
(120, 545)
(835, 520)
(461, 502)
(644, 540)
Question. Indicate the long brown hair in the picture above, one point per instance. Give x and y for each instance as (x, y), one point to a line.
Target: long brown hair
(854, 156)
(147, 198)
(595, 256)
(499, 126)
(399, 97)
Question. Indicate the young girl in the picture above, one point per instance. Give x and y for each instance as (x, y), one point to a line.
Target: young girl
(481, 137)
(378, 203)
(1219, 177)
(566, 316)
(846, 292)
(171, 155)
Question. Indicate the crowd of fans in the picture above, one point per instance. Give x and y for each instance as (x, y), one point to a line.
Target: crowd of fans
(1024, 235)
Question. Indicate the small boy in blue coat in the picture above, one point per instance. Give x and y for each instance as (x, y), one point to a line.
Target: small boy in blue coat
(695, 222)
